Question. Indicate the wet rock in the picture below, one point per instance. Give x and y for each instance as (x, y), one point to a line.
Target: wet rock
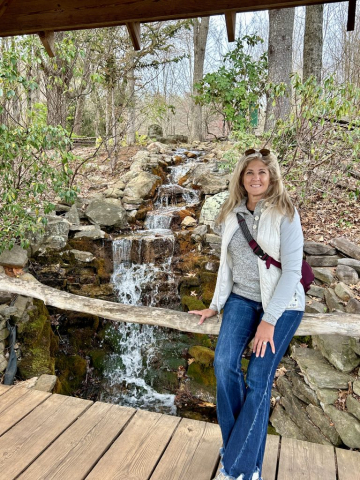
(324, 274)
(353, 306)
(283, 424)
(199, 233)
(73, 215)
(318, 372)
(93, 291)
(90, 231)
(202, 382)
(353, 406)
(85, 257)
(356, 387)
(350, 262)
(315, 291)
(337, 350)
(324, 423)
(16, 257)
(316, 248)
(45, 383)
(332, 301)
(355, 344)
(189, 222)
(143, 186)
(347, 274)
(211, 208)
(22, 305)
(211, 182)
(322, 261)
(349, 248)
(346, 425)
(343, 291)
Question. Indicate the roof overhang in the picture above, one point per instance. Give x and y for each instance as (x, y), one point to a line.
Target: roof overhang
(19, 17)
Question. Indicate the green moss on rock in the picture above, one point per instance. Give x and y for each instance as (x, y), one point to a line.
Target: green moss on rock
(201, 374)
(192, 303)
(202, 355)
(38, 343)
(71, 373)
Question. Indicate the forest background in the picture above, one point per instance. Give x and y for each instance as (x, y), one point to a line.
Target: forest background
(297, 69)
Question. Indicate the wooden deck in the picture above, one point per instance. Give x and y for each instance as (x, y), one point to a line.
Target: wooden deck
(45, 436)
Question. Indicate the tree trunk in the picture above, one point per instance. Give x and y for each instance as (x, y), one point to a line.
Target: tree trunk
(313, 42)
(281, 26)
(201, 29)
(131, 103)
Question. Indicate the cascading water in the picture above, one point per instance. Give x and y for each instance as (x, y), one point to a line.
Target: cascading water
(137, 281)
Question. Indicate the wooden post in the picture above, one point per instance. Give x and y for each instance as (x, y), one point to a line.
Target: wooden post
(47, 39)
(134, 32)
(230, 19)
(351, 16)
(3, 6)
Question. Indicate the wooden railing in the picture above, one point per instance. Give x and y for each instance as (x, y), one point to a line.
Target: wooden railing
(312, 324)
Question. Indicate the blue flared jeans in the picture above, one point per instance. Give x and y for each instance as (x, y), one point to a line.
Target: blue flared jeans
(243, 408)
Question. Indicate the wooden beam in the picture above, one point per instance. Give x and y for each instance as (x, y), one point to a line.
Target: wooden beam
(33, 16)
(47, 39)
(134, 32)
(230, 19)
(312, 324)
(351, 15)
(4, 5)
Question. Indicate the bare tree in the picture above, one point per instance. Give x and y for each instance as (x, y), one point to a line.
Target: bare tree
(313, 42)
(281, 27)
(201, 29)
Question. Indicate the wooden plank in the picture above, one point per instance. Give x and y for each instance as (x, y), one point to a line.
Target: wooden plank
(230, 20)
(351, 16)
(48, 41)
(79, 448)
(135, 453)
(312, 324)
(193, 452)
(271, 457)
(16, 404)
(31, 436)
(4, 5)
(32, 16)
(4, 388)
(134, 32)
(300, 460)
(348, 464)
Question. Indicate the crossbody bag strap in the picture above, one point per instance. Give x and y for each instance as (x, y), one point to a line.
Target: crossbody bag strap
(259, 252)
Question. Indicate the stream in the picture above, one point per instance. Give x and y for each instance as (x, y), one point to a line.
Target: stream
(143, 275)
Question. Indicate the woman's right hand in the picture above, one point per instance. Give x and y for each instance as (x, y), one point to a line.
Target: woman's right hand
(204, 314)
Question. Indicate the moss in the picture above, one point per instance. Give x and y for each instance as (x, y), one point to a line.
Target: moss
(201, 374)
(202, 355)
(244, 364)
(38, 343)
(102, 273)
(81, 338)
(98, 359)
(71, 373)
(192, 303)
(271, 430)
(208, 282)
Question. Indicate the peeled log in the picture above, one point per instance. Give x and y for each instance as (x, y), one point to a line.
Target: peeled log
(313, 324)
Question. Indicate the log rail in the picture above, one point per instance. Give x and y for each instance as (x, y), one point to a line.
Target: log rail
(312, 324)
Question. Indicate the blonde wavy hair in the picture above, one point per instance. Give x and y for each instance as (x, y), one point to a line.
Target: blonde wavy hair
(276, 195)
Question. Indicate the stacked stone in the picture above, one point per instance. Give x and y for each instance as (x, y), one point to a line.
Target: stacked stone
(336, 269)
(318, 398)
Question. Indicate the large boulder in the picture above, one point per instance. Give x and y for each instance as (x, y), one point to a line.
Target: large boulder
(347, 274)
(16, 257)
(141, 187)
(211, 208)
(208, 177)
(316, 248)
(347, 426)
(107, 213)
(337, 349)
(55, 236)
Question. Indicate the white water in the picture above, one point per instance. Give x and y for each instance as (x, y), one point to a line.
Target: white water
(136, 344)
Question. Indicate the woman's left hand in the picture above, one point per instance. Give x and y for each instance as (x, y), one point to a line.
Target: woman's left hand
(264, 336)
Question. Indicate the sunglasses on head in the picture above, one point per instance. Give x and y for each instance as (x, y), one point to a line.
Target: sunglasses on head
(264, 152)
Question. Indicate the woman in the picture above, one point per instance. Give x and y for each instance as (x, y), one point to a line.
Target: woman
(261, 302)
